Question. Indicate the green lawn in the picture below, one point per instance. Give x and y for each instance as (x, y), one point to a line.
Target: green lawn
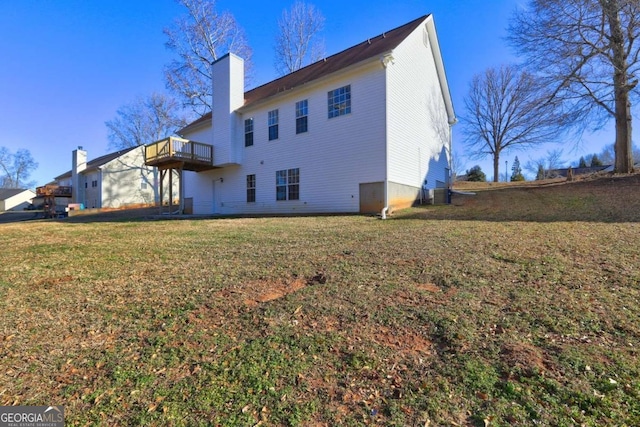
(513, 307)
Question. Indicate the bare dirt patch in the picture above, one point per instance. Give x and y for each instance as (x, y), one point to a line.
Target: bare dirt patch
(404, 341)
(428, 287)
(523, 357)
(253, 293)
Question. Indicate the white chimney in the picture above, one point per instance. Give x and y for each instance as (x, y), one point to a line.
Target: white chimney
(78, 164)
(228, 96)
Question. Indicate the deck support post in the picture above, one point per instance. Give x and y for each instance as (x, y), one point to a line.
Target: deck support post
(161, 195)
(181, 191)
(170, 191)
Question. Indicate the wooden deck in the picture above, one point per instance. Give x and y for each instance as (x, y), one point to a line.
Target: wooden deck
(178, 153)
(52, 190)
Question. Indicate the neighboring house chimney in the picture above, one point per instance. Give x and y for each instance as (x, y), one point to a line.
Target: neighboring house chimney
(228, 96)
(78, 164)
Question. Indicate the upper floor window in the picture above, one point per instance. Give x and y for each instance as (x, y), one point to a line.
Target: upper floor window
(273, 125)
(251, 188)
(339, 101)
(302, 111)
(248, 132)
(288, 184)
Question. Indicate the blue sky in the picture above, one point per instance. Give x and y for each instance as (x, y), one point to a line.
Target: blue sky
(68, 65)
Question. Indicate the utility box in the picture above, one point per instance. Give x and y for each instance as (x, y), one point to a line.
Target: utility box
(439, 196)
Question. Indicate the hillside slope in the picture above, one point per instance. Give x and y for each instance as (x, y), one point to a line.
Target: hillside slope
(607, 198)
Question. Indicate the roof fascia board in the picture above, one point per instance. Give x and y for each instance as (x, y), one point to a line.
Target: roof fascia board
(442, 76)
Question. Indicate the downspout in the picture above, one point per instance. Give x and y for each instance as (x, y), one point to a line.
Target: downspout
(450, 183)
(385, 60)
(383, 214)
(385, 184)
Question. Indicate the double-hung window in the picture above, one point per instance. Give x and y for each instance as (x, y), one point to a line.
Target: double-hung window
(339, 101)
(288, 184)
(251, 188)
(273, 124)
(302, 112)
(248, 132)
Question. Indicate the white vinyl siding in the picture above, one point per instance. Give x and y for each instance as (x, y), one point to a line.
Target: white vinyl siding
(124, 181)
(418, 128)
(333, 156)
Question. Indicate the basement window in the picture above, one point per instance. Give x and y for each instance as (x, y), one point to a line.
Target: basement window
(288, 184)
(251, 188)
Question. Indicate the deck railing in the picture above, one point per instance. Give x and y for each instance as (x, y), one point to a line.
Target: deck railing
(179, 149)
(54, 190)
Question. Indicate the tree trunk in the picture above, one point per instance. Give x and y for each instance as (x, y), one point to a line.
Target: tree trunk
(623, 161)
(496, 166)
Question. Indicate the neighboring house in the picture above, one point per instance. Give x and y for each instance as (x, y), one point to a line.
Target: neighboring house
(562, 172)
(15, 199)
(364, 130)
(115, 180)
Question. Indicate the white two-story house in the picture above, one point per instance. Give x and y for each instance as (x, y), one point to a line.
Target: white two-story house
(115, 180)
(365, 130)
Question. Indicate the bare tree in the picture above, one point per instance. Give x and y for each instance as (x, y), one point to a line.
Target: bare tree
(16, 168)
(588, 53)
(145, 120)
(546, 167)
(298, 43)
(608, 154)
(200, 38)
(505, 110)
(457, 164)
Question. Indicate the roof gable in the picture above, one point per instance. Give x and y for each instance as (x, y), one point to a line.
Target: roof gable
(370, 48)
(100, 161)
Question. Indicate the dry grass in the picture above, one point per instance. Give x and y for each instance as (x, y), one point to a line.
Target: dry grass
(595, 198)
(490, 185)
(513, 307)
